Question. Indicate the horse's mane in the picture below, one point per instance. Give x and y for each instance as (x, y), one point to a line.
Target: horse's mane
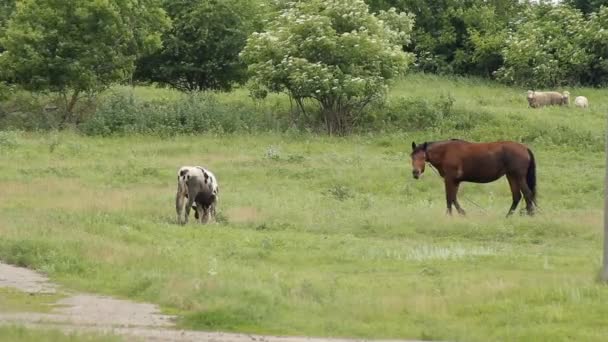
(425, 145)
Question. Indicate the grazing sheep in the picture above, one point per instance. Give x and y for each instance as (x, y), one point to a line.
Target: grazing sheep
(200, 187)
(581, 102)
(538, 99)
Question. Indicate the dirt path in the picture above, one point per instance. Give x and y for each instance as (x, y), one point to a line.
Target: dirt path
(92, 313)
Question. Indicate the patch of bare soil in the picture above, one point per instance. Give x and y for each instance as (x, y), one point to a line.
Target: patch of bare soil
(243, 214)
(92, 313)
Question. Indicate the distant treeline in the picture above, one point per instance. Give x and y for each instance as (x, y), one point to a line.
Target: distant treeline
(527, 43)
(338, 54)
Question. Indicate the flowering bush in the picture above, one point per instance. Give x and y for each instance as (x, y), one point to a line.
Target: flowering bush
(334, 53)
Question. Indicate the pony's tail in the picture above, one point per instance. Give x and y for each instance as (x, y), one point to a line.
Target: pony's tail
(531, 176)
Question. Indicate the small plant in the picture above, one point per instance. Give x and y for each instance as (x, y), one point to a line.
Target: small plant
(295, 158)
(272, 153)
(340, 192)
(54, 142)
(221, 218)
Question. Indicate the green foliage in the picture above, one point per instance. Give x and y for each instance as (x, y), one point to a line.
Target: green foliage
(334, 53)
(201, 50)
(547, 49)
(77, 47)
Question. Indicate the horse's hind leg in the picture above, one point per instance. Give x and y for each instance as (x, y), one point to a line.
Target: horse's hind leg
(515, 192)
(456, 204)
(527, 196)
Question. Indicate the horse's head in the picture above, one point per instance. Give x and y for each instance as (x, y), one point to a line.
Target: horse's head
(418, 159)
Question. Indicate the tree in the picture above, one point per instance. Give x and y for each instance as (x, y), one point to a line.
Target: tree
(6, 9)
(455, 36)
(587, 6)
(78, 46)
(597, 72)
(335, 53)
(201, 50)
(548, 48)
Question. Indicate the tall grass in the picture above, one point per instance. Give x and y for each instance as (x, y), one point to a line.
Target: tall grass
(22, 334)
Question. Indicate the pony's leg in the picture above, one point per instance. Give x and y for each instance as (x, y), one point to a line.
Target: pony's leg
(188, 207)
(202, 214)
(179, 206)
(213, 213)
(515, 193)
(179, 201)
(205, 215)
(527, 196)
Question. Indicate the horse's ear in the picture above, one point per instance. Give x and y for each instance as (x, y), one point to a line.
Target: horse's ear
(413, 145)
(424, 146)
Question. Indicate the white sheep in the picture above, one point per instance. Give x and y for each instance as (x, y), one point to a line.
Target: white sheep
(538, 99)
(581, 102)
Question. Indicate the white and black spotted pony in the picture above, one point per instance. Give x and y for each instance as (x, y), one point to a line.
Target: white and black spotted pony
(199, 186)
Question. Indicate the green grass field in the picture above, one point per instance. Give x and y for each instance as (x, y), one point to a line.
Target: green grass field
(325, 236)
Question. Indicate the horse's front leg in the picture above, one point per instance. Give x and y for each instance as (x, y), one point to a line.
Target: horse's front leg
(451, 190)
(450, 195)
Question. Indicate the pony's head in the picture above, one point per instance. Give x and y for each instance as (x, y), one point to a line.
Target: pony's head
(418, 159)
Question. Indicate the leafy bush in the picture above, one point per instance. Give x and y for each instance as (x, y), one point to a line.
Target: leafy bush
(26, 111)
(8, 140)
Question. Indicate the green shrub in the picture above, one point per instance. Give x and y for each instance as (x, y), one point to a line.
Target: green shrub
(24, 111)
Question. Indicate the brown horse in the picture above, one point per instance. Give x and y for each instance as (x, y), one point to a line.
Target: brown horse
(462, 161)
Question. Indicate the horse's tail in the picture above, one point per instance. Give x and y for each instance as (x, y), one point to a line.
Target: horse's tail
(531, 176)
